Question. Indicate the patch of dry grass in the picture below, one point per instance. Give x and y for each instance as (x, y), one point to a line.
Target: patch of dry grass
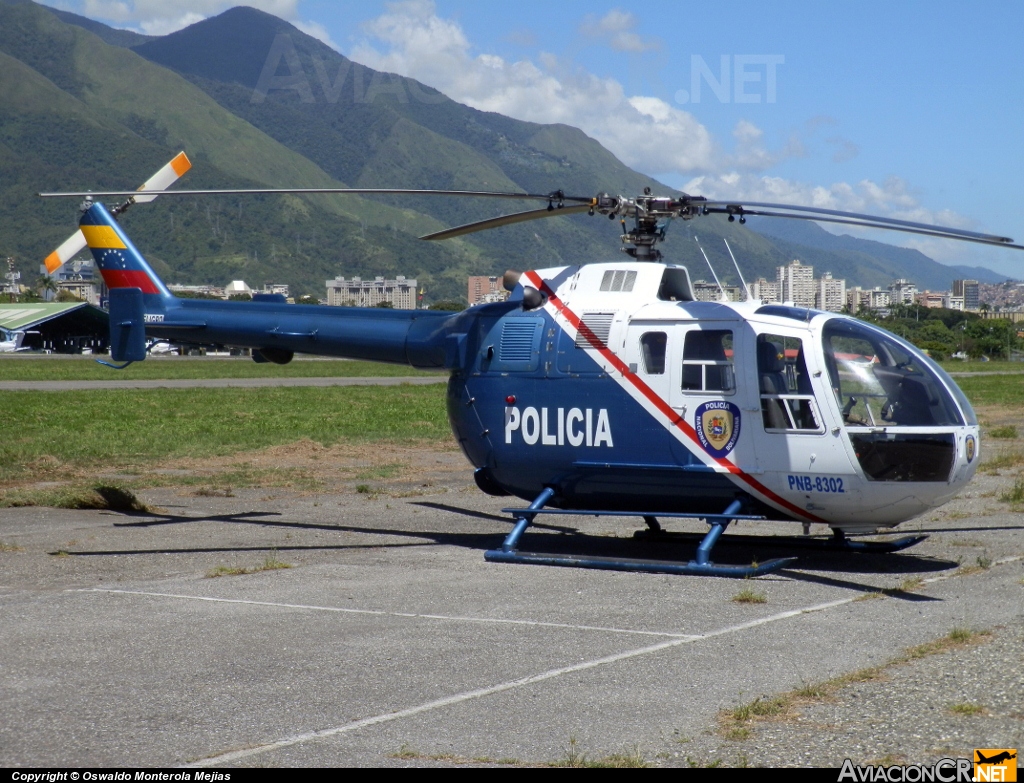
(271, 563)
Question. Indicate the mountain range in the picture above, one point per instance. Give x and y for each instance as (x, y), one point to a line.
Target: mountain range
(255, 102)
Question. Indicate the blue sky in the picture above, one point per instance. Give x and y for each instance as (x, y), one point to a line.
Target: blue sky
(911, 110)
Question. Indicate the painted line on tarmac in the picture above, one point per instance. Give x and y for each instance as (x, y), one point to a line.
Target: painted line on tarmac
(406, 615)
(297, 739)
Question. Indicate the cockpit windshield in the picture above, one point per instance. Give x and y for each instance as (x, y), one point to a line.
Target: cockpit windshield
(880, 381)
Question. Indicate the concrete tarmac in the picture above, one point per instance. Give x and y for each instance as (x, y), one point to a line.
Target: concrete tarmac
(391, 642)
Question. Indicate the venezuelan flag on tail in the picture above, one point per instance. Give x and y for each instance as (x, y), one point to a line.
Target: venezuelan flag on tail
(121, 265)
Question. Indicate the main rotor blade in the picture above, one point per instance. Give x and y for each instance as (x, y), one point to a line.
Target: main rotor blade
(929, 231)
(738, 208)
(160, 181)
(550, 197)
(507, 220)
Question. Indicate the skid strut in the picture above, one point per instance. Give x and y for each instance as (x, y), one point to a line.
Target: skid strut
(701, 565)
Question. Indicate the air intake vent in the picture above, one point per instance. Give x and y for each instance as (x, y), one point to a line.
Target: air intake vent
(517, 340)
(618, 280)
(597, 324)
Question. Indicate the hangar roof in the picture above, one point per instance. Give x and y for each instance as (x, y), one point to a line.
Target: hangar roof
(29, 314)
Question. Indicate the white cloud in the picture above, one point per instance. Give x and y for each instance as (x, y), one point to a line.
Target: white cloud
(892, 198)
(616, 29)
(845, 149)
(644, 132)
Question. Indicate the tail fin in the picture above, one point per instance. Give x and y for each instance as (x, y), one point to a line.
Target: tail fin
(120, 263)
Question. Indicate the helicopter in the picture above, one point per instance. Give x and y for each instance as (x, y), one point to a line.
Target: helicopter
(607, 388)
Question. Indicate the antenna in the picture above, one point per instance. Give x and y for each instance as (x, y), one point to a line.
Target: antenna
(746, 291)
(724, 298)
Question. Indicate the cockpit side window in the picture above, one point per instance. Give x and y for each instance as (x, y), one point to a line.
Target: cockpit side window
(708, 361)
(787, 402)
(880, 382)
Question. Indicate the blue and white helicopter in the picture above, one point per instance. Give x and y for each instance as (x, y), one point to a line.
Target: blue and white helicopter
(608, 389)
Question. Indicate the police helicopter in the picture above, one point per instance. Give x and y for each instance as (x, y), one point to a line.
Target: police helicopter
(607, 389)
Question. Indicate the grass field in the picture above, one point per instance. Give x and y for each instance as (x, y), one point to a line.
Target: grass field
(104, 430)
(958, 367)
(83, 368)
(982, 390)
(60, 436)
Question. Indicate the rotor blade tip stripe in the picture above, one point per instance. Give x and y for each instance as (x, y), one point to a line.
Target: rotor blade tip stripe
(181, 163)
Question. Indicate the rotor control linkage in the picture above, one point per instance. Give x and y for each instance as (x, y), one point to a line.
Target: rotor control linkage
(701, 565)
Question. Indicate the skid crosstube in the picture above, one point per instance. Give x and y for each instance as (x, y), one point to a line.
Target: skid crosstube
(701, 565)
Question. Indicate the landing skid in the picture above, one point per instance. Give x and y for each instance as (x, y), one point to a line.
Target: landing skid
(838, 542)
(701, 565)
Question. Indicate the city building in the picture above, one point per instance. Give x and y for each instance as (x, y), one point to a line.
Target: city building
(483, 289)
(968, 289)
(830, 293)
(858, 298)
(356, 292)
(237, 288)
(78, 277)
(902, 292)
(932, 299)
(704, 291)
(766, 290)
(206, 290)
(796, 284)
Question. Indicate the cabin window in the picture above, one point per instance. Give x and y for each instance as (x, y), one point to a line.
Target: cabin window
(707, 361)
(787, 401)
(652, 348)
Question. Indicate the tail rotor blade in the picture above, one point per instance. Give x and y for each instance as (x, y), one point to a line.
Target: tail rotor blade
(162, 180)
(68, 249)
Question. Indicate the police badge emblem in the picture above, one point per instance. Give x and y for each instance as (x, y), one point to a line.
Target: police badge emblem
(717, 425)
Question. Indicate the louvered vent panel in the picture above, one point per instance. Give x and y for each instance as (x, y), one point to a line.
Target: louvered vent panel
(600, 324)
(618, 280)
(517, 340)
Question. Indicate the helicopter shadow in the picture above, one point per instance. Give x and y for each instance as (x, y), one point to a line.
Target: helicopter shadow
(563, 540)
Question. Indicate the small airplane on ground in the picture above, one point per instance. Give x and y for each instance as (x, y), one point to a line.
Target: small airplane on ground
(607, 389)
(11, 341)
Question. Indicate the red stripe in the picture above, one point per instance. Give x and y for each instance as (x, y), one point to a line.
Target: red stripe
(129, 278)
(678, 421)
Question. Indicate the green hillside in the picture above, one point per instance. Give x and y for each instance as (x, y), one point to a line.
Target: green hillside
(96, 116)
(84, 111)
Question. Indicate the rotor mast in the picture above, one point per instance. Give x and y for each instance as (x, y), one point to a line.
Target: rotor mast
(651, 216)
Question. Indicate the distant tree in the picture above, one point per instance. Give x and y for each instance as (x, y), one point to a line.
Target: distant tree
(240, 297)
(386, 305)
(306, 299)
(46, 286)
(454, 305)
(66, 296)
